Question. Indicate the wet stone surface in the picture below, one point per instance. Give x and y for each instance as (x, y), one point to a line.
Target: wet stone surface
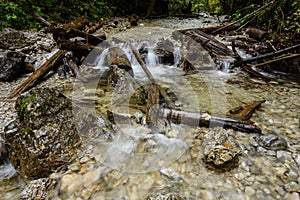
(220, 151)
(44, 136)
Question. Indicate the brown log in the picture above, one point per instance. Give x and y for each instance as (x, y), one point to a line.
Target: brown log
(38, 74)
(272, 54)
(143, 65)
(246, 113)
(239, 122)
(41, 19)
(78, 47)
(65, 34)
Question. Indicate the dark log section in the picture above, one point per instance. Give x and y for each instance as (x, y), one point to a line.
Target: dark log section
(202, 120)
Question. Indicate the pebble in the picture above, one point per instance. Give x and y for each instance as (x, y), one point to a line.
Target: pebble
(292, 196)
(284, 156)
(75, 167)
(84, 160)
(249, 191)
(292, 187)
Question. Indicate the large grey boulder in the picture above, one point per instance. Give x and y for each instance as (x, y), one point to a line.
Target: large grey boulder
(44, 137)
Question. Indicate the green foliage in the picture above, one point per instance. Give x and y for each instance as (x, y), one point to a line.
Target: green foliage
(20, 14)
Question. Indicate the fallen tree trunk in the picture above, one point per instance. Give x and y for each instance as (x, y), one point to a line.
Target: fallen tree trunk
(38, 74)
(239, 122)
(209, 43)
(206, 120)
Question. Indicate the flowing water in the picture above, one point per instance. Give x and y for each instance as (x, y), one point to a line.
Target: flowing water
(138, 163)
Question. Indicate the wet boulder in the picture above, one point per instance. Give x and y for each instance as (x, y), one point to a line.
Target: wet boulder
(44, 137)
(165, 51)
(116, 56)
(221, 151)
(13, 65)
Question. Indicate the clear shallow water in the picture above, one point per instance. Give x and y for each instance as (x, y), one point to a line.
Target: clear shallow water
(143, 164)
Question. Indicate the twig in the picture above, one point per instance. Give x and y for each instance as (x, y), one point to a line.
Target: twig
(250, 14)
(41, 19)
(141, 62)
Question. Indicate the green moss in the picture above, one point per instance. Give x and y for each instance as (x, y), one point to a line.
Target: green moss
(22, 107)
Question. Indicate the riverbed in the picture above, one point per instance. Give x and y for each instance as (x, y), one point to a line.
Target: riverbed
(173, 167)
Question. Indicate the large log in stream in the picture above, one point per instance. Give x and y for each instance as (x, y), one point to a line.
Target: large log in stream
(205, 120)
(239, 121)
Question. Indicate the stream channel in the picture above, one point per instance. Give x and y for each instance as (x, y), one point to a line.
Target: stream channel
(138, 163)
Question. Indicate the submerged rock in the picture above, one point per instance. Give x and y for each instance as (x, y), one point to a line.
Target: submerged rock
(271, 142)
(220, 151)
(45, 136)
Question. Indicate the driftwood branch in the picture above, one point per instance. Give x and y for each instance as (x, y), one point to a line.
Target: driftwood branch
(205, 120)
(278, 59)
(246, 113)
(41, 19)
(243, 18)
(65, 34)
(143, 65)
(268, 55)
(38, 74)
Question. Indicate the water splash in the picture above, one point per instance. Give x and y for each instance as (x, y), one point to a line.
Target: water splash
(151, 59)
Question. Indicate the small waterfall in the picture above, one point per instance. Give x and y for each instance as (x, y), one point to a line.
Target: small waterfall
(151, 59)
(177, 55)
(101, 60)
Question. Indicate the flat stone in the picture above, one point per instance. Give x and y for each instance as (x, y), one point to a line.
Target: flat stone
(291, 196)
(284, 156)
(292, 187)
(71, 182)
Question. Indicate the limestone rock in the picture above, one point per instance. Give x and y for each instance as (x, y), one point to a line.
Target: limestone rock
(45, 136)
(220, 151)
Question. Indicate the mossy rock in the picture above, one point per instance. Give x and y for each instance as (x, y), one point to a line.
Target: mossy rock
(44, 137)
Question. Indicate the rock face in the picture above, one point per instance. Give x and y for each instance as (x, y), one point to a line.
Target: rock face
(45, 136)
(12, 66)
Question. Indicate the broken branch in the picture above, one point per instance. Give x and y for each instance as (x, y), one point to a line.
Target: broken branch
(38, 74)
